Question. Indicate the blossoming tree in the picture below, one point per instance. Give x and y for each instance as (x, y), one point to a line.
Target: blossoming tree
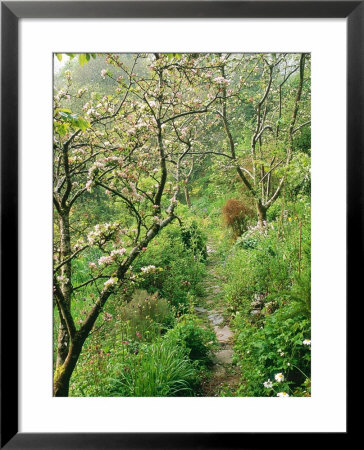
(262, 105)
(130, 147)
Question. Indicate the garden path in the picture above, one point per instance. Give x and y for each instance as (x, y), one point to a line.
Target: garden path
(225, 376)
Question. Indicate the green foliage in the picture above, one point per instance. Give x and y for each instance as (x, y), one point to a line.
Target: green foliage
(146, 340)
(299, 296)
(190, 334)
(179, 272)
(269, 272)
(158, 370)
(97, 363)
(65, 119)
(246, 241)
(264, 264)
(127, 340)
(276, 346)
(194, 239)
(147, 314)
(83, 58)
(264, 269)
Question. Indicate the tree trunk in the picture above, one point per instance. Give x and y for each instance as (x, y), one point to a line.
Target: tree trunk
(187, 196)
(62, 344)
(262, 214)
(65, 246)
(63, 373)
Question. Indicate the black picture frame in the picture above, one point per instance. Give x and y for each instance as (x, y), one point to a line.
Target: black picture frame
(11, 12)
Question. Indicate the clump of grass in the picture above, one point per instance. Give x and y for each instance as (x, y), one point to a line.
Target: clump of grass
(158, 370)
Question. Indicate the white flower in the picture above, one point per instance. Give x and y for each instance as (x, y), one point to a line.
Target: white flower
(282, 394)
(279, 377)
(103, 73)
(119, 251)
(268, 384)
(110, 282)
(282, 353)
(288, 364)
(148, 269)
(306, 342)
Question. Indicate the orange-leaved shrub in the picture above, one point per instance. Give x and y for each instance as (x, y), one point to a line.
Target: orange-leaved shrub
(236, 215)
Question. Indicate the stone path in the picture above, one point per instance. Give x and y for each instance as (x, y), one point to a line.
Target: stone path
(224, 374)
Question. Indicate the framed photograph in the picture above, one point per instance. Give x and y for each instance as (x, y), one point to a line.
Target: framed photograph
(181, 204)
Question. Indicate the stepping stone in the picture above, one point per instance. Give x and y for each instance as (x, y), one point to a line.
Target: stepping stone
(219, 371)
(215, 318)
(223, 334)
(223, 357)
(200, 310)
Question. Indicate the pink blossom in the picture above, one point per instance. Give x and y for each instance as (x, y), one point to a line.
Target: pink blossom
(221, 80)
(88, 185)
(105, 260)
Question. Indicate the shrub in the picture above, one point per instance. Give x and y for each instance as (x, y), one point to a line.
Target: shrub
(190, 334)
(158, 370)
(96, 364)
(194, 239)
(178, 272)
(263, 270)
(147, 314)
(236, 215)
(271, 275)
(246, 241)
(275, 347)
(119, 333)
(261, 263)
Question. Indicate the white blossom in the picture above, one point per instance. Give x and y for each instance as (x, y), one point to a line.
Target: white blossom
(148, 269)
(110, 281)
(119, 251)
(282, 394)
(279, 377)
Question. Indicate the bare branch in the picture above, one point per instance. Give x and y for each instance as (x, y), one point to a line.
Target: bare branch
(69, 258)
